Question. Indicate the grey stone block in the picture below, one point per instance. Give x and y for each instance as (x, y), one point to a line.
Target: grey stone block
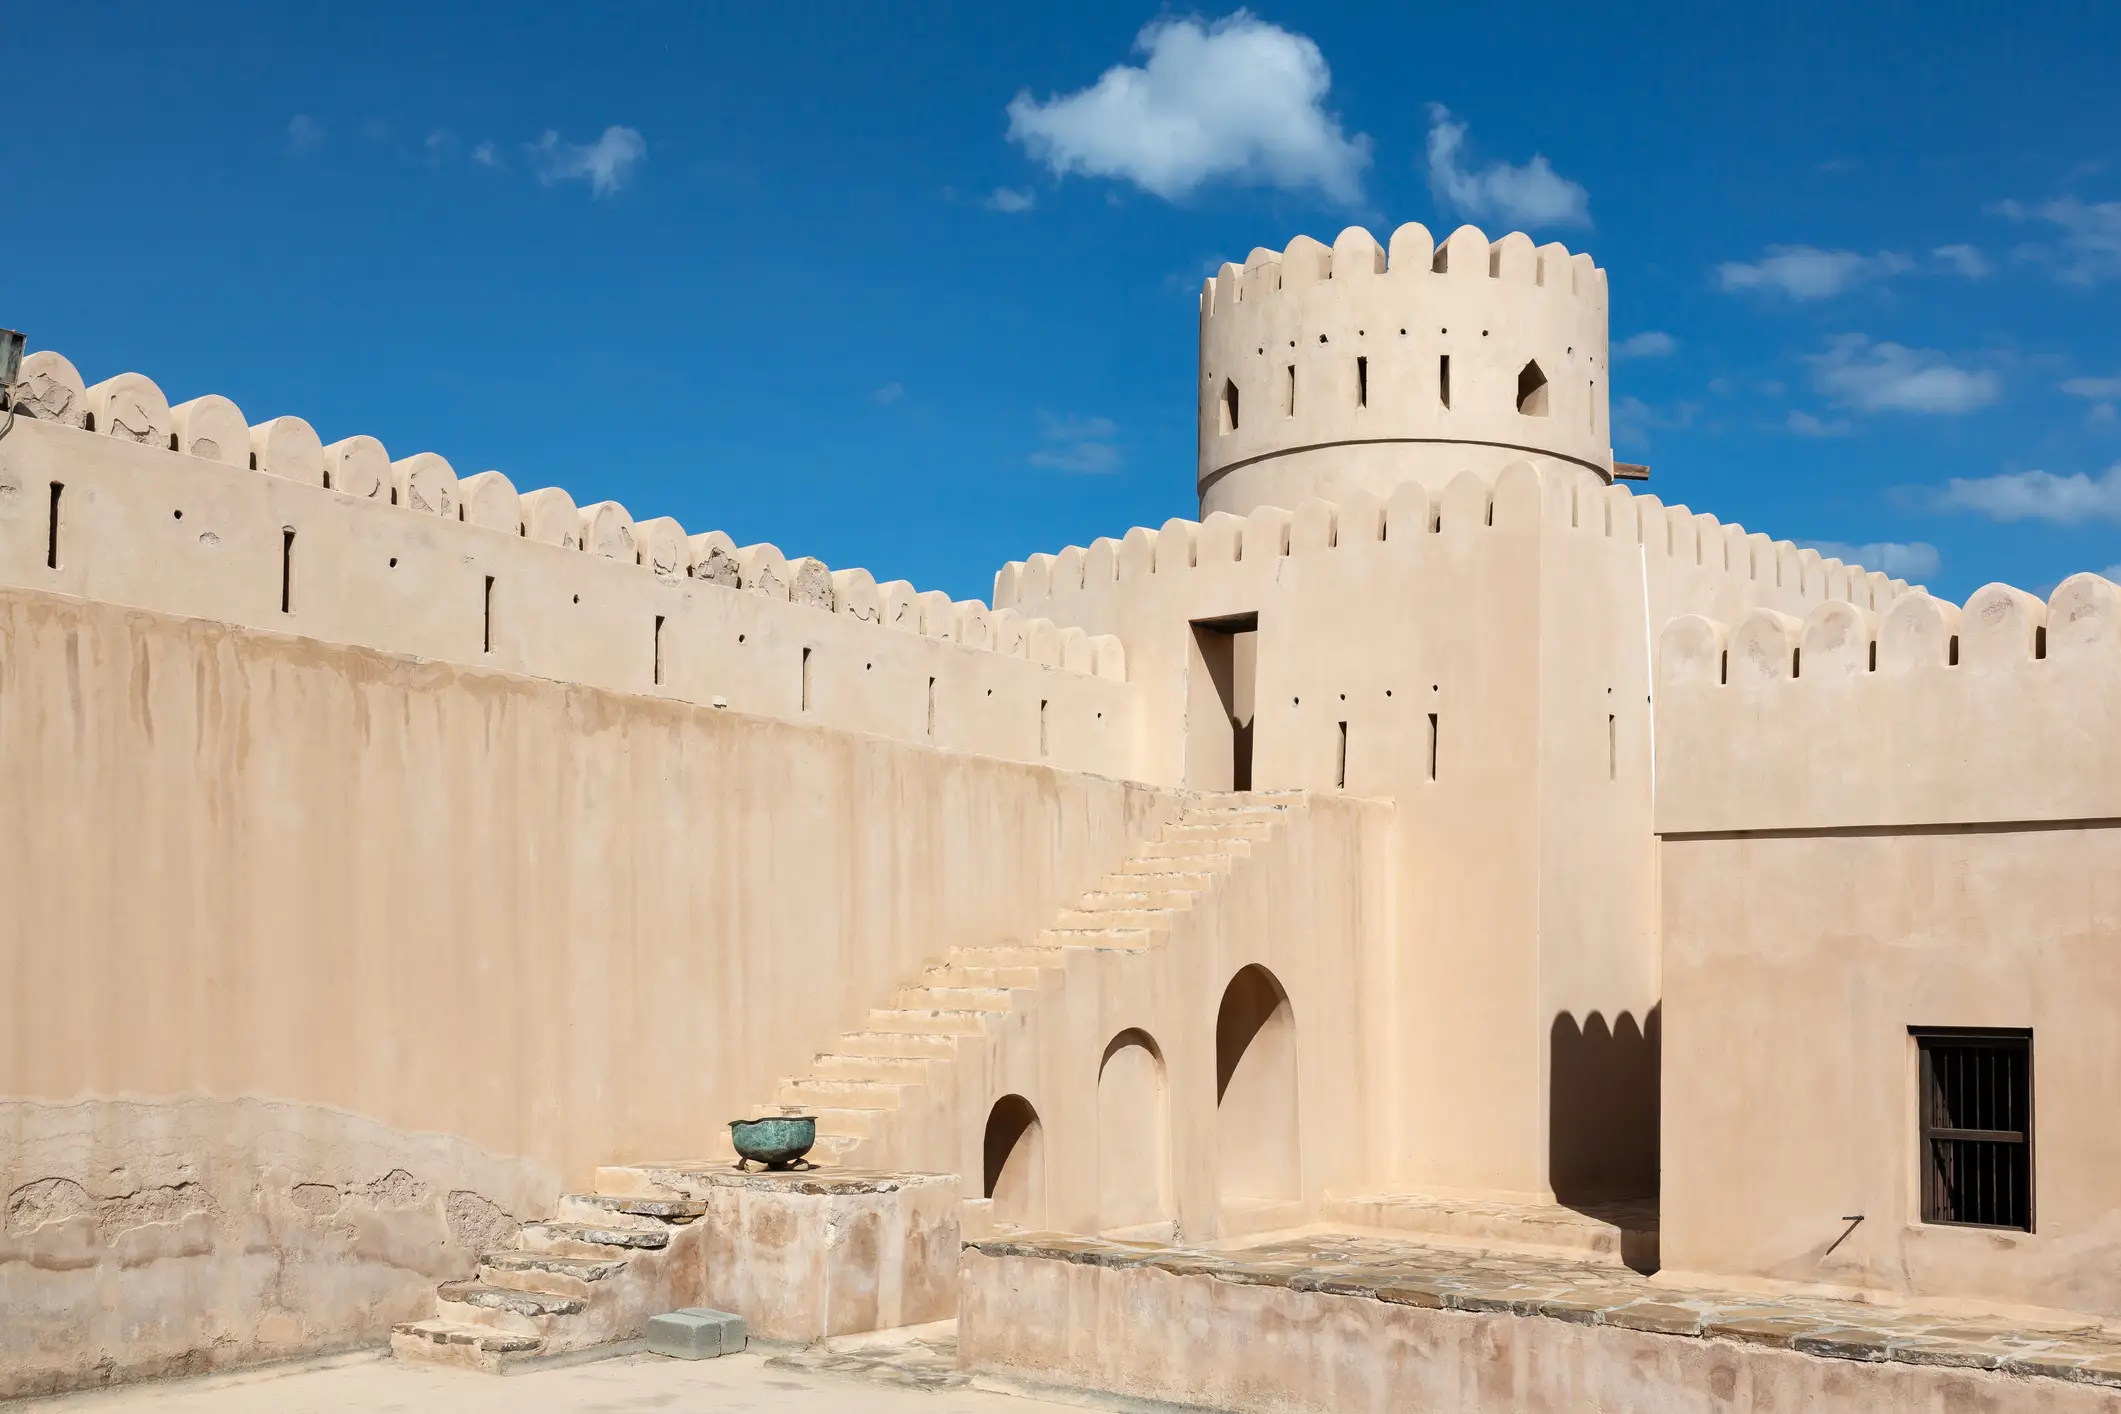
(696, 1333)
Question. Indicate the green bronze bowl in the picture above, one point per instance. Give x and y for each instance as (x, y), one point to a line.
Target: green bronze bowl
(778, 1141)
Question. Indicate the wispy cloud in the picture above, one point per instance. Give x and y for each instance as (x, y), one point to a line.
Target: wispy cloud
(1651, 343)
(1805, 424)
(1531, 195)
(1236, 100)
(2038, 495)
(1803, 272)
(888, 394)
(1911, 560)
(1888, 377)
(486, 155)
(605, 164)
(2096, 388)
(1082, 446)
(1964, 260)
(1634, 420)
(1011, 200)
(2086, 244)
(304, 133)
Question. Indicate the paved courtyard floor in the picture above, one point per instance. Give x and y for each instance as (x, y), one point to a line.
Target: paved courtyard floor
(911, 1372)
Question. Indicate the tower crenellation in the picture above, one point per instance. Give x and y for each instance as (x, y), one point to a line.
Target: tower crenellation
(1328, 370)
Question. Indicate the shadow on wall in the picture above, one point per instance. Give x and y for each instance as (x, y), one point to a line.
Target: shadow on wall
(1602, 1112)
(1255, 1089)
(1016, 1163)
(1133, 1138)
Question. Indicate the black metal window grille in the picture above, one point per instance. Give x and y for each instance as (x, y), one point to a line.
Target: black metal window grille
(1977, 1127)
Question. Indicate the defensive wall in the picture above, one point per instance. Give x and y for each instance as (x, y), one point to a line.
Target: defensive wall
(1322, 367)
(1871, 822)
(1479, 656)
(107, 493)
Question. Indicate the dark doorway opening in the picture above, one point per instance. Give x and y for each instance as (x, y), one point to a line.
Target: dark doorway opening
(1219, 702)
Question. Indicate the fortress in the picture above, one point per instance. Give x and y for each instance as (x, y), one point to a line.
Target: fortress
(1438, 859)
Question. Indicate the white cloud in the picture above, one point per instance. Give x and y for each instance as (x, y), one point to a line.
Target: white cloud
(2089, 234)
(2093, 387)
(1963, 259)
(1531, 195)
(1806, 272)
(485, 155)
(888, 394)
(304, 132)
(605, 164)
(1081, 445)
(1239, 99)
(1011, 201)
(1804, 424)
(1912, 560)
(1887, 377)
(2038, 495)
(1651, 343)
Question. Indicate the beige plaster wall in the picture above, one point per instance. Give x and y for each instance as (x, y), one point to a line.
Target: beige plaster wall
(251, 876)
(1850, 850)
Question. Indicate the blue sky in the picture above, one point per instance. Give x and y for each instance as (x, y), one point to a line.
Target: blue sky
(914, 287)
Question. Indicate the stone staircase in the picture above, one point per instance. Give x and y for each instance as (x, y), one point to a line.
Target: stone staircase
(588, 1277)
(860, 1087)
(591, 1275)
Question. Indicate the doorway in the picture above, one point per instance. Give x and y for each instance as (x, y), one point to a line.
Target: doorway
(1219, 702)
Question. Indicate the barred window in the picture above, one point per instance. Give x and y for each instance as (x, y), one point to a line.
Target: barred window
(1976, 1116)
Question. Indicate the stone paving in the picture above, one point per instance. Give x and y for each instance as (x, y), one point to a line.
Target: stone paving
(1403, 1273)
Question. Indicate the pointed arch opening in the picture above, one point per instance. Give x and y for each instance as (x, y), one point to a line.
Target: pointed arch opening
(1532, 390)
(1134, 1139)
(1016, 1163)
(1257, 1155)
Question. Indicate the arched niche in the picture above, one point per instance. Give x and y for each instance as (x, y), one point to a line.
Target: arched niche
(1255, 1090)
(1016, 1163)
(1133, 1135)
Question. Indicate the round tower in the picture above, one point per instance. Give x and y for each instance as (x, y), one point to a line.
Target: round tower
(1329, 371)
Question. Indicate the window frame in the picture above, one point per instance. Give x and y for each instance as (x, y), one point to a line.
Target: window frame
(1930, 1193)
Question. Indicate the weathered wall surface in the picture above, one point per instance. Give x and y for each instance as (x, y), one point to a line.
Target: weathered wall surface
(1872, 823)
(1205, 1342)
(252, 877)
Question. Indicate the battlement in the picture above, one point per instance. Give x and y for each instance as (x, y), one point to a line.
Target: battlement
(108, 492)
(1919, 712)
(1404, 363)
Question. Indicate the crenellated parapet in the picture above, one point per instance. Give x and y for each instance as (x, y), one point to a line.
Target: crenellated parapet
(109, 492)
(1913, 712)
(1329, 369)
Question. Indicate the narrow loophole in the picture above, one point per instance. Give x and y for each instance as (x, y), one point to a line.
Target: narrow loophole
(806, 680)
(287, 570)
(1612, 747)
(931, 707)
(1443, 379)
(486, 634)
(51, 528)
(1043, 704)
(1952, 654)
(1362, 382)
(1291, 405)
(1340, 765)
(2040, 641)
(1432, 746)
(659, 650)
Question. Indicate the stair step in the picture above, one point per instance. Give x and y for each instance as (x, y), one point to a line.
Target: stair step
(1114, 918)
(1164, 868)
(669, 1210)
(1215, 830)
(1169, 899)
(1193, 849)
(900, 1070)
(484, 1339)
(1010, 955)
(553, 1236)
(580, 1268)
(955, 974)
(528, 1304)
(837, 1121)
(841, 1093)
(985, 999)
(921, 1021)
(922, 1045)
(1119, 939)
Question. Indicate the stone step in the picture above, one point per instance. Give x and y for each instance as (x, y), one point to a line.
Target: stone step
(987, 999)
(1174, 900)
(1115, 939)
(474, 1303)
(839, 1122)
(924, 1045)
(547, 1271)
(576, 1239)
(1114, 918)
(1217, 828)
(1010, 955)
(922, 1021)
(817, 1091)
(1190, 850)
(1182, 883)
(953, 974)
(472, 1347)
(591, 1207)
(1162, 867)
(899, 1070)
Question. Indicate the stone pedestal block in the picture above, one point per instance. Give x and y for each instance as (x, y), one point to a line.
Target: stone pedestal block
(696, 1333)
